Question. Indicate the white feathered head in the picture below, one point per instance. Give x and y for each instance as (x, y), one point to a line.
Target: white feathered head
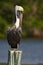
(18, 8)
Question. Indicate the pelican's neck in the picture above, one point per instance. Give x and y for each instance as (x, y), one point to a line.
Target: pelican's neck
(17, 22)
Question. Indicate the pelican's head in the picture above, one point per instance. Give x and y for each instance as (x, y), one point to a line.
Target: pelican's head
(19, 13)
(18, 10)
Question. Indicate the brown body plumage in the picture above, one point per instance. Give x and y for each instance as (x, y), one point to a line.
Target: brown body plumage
(14, 37)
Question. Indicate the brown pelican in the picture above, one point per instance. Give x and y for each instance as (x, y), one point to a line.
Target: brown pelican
(14, 32)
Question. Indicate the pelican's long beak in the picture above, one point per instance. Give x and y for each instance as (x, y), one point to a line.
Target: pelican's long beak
(19, 14)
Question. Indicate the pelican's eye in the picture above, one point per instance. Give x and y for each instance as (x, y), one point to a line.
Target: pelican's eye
(18, 13)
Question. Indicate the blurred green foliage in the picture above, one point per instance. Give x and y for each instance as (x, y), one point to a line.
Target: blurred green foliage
(33, 15)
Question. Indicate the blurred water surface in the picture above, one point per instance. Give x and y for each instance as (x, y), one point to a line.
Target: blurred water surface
(32, 51)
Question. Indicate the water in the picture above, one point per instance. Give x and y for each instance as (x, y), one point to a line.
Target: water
(32, 51)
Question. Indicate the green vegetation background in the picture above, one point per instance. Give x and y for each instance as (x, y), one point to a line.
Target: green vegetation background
(33, 15)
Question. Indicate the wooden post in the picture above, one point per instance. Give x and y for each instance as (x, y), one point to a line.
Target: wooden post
(14, 57)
